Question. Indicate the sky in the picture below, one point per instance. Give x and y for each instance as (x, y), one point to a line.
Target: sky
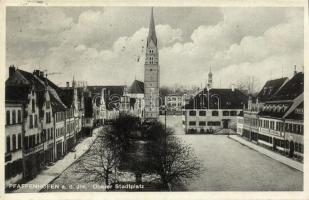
(106, 45)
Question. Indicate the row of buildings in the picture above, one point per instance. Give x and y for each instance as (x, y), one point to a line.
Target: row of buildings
(43, 122)
(274, 118)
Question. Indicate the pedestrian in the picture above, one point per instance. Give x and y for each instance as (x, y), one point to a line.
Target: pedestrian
(74, 156)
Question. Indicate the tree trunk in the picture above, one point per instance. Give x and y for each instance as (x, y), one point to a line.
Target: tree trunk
(106, 179)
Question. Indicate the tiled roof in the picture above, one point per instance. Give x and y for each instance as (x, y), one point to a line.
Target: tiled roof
(24, 78)
(227, 98)
(292, 89)
(56, 105)
(270, 88)
(137, 87)
(274, 113)
(17, 94)
(66, 96)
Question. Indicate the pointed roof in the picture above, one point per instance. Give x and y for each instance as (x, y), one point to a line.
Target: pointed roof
(210, 73)
(137, 87)
(152, 30)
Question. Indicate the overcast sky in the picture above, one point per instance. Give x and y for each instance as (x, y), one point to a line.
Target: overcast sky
(105, 45)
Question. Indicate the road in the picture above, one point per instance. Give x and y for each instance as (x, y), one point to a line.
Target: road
(230, 166)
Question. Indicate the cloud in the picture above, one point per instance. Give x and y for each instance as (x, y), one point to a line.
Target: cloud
(100, 46)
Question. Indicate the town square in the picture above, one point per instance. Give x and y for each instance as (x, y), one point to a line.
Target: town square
(154, 99)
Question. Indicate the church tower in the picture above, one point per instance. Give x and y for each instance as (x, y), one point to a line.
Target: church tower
(209, 84)
(151, 74)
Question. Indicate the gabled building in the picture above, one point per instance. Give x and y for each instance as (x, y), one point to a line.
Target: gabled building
(274, 118)
(174, 104)
(213, 111)
(39, 123)
(15, 112)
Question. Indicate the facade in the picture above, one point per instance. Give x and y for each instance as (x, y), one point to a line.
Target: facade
(274, 119)
(174, 104)
(151, 74)
(41, 123)
(14, 109)
(214, 111)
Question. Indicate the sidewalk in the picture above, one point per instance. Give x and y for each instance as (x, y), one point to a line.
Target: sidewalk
(287, 161)
(46, 176)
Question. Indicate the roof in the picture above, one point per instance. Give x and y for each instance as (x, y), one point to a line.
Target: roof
(56, 105)
(270, 110)
(152, 30)
(26, 79)
(67, 96)
(137, 87)
(227, 99)
(17, 93)
(270, 88)
(292, 89)
(295, 115)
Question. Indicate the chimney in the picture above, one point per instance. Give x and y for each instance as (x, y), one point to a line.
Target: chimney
(233, 88)
(295, 72)
(68, 84)
(36, 72)
(11, 70)
(41, 74)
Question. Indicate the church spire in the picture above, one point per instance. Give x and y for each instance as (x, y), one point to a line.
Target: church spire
(152, 30)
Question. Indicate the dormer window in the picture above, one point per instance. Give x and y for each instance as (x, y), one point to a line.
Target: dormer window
(264, 90)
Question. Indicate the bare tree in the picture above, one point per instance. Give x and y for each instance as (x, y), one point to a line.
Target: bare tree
(173, 160)
(99, 163)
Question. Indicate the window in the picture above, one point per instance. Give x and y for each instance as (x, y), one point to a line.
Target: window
(38, 138)
(8, 116)
(13, 117)
(14, 142)
(8, 144)
(19, 141)
(33, 105)
(215, 113)
(30, 121)
(192, 113)
(47, 104)
(233, 113)
(202, 113)
(192, 123)
(213, 123)
(19, 116)
(26, 142)
(202, 123)
(30, 141)
(35, 121)
(226, 113)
